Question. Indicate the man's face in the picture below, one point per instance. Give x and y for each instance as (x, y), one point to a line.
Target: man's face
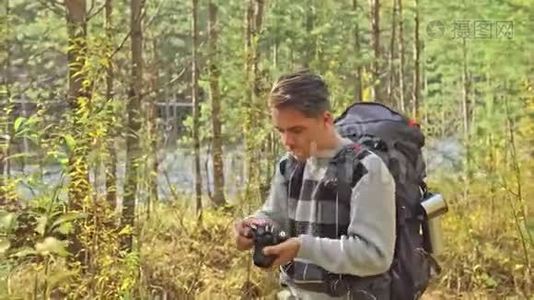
(300, 134)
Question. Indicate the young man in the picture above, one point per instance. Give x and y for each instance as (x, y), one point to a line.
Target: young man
(342, 243)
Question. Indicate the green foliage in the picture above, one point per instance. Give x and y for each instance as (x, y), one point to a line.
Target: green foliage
(181, 258)
(488, 232)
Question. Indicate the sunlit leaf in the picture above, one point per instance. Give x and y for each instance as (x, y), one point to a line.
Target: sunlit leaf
(41, 225)
(126, 230)
(64, 228)
(7, 220)
(4, 245)
(69, 140)
(51, 245)
(67, 217)
(18, 122)
(24, 251)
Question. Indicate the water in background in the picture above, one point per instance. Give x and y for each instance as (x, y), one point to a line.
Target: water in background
(176, 170)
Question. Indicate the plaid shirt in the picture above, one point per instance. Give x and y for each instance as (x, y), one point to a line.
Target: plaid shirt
(344, 227)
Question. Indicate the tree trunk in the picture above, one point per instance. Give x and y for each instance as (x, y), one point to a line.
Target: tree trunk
(416, 75)
(465, 93)
(217, 153)
(249, 119)
(78, 190)
(358, 90)
(134, 123)
(77, 32)
(194, 96)
(258, 91)
(207, 171)
(375, 44)
(402, 103)
(519, 209)
(465, 113)
(254, 18)
(153, 135)
(258, 20)
(253, 22)
(424, 85)
(275, 53)
(391, 79)
(311, 43)
(5, 139)
(111, 162)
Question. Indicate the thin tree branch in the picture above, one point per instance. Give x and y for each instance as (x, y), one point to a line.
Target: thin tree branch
(91, 7)
(54, 6)
(90, 16)
(121, 44)
(142, 15)
(168, 83)
(156, 14)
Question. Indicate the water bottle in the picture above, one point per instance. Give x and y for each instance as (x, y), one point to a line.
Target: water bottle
(435, 206)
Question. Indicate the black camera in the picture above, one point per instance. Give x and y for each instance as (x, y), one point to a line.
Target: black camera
(265, 235)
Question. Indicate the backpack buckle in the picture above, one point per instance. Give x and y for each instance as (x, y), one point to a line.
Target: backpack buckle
(330, 183)
(337, 287)
(403, 215)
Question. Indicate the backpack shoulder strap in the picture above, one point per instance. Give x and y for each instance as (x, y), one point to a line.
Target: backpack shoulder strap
(287, 165)
(345, 170)
(344, 167)
(347, 164)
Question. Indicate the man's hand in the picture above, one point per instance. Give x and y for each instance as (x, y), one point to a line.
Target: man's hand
(243, 233)
(284, 252)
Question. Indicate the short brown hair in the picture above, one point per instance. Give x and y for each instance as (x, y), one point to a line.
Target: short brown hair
(301, 90)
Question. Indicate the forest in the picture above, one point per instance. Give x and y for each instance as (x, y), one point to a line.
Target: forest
(134, 133)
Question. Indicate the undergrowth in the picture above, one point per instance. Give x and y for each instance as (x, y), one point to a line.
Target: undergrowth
(178, 257)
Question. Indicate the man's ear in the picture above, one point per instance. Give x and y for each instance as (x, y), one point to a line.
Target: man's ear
(328, 118)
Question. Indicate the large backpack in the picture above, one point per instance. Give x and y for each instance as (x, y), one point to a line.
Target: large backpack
(398, 141)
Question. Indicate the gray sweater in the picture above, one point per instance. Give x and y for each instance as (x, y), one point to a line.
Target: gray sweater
(368, 248)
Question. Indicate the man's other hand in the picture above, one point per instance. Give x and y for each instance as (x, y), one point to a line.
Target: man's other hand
(284, 252)
(243, 233)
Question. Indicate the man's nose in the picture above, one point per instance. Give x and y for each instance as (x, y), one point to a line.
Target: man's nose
(288, 140)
